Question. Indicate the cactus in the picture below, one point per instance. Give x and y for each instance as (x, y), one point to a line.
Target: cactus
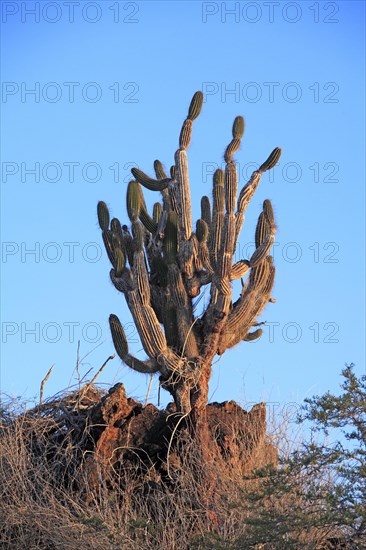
(103, 215)
(162, 264)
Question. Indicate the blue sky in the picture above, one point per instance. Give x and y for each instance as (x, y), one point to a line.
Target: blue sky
(111, 86)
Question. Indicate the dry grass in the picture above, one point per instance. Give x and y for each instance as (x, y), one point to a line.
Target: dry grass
(47, 501)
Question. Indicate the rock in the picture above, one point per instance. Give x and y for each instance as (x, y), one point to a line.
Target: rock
(126, 434)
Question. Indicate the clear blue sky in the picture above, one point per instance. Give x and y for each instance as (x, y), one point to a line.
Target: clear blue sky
(111, 86)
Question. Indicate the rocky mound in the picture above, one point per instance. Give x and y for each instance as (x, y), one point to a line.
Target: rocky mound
(123, 433)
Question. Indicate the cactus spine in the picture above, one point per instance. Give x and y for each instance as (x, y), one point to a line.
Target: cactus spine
(161, 265)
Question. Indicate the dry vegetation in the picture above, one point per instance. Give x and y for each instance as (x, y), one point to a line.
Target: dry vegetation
(55, 495)
(48, 500)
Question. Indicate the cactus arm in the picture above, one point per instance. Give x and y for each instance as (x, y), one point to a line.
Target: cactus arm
(141, 278)
(182, 192)
(220, 299)
(262, 250)
(218, 213)
(261, 280)
(245, 195)
(250, 187)
(124, 283)
(107, 235)
(179, 189)
(136, 206)
(183, 196)
(240, 321)
(157, 300)
(148, 221)
(121, 346)
(180, 196)
(224, 262)
(184, 314)
(128, 246)
(243, 336)
(239, 269)
(103, 215)
(150, 183)
(120, 261)
(172, 190)
(170, 242)
(157, 212)
(134, 199)
(251, 336)
(161, 175)
(150, 332)
(139, 300)
(271, 161)
(206, 211)
(113, 246)
(237, 334)
(261, 230)
(169, 319)
(159, 170)
(197, 261)
(118, 233)
(204, 256)
(138, 297)
(264, 234)
(118, 237)
(202, 232)
(153, 338)
(250, 304)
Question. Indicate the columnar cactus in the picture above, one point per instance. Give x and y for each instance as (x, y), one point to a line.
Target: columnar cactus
(162, 264)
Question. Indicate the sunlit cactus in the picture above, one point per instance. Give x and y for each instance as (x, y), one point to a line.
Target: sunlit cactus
(162, 265)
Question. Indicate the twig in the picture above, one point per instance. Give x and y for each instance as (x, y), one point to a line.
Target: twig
(148, 390)
(77, 364)
(85, 389)
(79, 361)
(170, 443)
(86, 374)
(42, 386)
